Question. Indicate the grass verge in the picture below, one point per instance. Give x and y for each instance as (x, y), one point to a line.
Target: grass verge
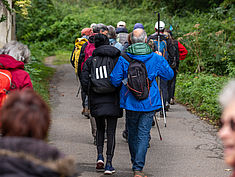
(40, 75)
(62, 57)
(200, 93)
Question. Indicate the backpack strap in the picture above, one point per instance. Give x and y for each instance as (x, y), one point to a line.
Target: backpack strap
(126, 57)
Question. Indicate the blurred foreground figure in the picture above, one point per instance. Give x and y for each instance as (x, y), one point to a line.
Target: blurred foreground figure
(13, 57)
(227, 131)
(23, 152)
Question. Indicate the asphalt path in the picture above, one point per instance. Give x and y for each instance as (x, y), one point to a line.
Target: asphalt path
(190, 147)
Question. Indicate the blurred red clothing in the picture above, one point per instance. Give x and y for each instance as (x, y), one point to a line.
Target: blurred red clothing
(20, 78)
(182, 51)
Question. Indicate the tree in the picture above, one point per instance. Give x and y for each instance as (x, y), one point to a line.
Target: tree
(18, 6)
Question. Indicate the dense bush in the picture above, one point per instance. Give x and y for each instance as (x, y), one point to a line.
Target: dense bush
(209, 37)
(207, 34)
(200, 92)
(210, 41)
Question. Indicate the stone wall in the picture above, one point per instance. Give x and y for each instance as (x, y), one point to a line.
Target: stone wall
(7, 28)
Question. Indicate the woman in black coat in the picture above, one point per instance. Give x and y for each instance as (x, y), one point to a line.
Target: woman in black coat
(24, 152)
(103, 106)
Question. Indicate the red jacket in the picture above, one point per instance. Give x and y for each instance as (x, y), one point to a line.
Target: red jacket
(182, 51)
(20, 78)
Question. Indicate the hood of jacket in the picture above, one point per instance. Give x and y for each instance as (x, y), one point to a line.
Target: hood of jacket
(41, 156)
(8, 62)
(91, 38)
(140, 51)
(121, 30)
(106, 50)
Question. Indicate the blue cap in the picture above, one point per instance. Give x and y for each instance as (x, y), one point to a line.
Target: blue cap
(138, 25)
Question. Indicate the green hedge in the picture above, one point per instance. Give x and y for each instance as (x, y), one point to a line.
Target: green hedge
(208, 36)
(200, 92)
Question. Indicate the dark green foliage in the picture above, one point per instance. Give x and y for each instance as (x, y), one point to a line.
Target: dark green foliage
(173, 6)
(206, 29)
(200, 92)
(210, 44)
(39, 74)
(41, 14)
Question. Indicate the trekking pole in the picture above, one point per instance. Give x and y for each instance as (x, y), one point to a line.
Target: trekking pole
(79, 88)
(158, 46)
(155, 119)
(163, 110)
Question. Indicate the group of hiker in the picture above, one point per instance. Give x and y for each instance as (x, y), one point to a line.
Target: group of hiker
(131, 71)
(117, 70)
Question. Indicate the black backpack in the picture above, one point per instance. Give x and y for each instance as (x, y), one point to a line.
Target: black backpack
(173, 53)
(101, 68)
(137, 78)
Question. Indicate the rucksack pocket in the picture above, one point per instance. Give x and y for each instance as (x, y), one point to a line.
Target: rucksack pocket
(101, 68)
(5, 84)
(137, 79)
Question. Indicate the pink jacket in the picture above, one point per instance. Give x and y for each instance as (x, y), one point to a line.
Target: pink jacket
(20, 78)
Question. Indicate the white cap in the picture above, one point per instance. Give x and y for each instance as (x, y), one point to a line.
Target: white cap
(93, 24)
(121, 24)
(161, 25)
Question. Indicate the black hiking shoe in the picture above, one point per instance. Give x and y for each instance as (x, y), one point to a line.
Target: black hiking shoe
(153, 123)
(125, 135)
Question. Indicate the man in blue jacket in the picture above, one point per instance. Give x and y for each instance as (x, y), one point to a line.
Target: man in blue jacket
(139, 113)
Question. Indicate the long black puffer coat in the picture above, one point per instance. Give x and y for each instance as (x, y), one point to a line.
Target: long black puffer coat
(105, 104)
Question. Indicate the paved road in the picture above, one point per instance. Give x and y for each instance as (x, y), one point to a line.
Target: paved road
(189, 148)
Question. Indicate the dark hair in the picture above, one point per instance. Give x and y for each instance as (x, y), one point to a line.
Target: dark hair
(103, 28)
(101, 39)
(24, 113)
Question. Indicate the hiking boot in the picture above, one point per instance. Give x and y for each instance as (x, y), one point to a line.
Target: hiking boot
(167, 107)
(153, 123)
(83, 111)
(109, 170)
(87, 113)
(100, 163)
(172, 101)
(139, 174)
(125, 135)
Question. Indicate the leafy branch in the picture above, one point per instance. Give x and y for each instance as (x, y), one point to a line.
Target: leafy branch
(21, 4)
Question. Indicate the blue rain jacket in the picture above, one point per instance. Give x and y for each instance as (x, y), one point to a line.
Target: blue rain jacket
(156, 65)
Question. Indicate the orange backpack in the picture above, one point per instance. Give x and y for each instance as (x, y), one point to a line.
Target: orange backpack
(5, 84)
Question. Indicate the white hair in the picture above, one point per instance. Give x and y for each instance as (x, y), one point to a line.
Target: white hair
(17, 50)
(228, 94)
(140, 38)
